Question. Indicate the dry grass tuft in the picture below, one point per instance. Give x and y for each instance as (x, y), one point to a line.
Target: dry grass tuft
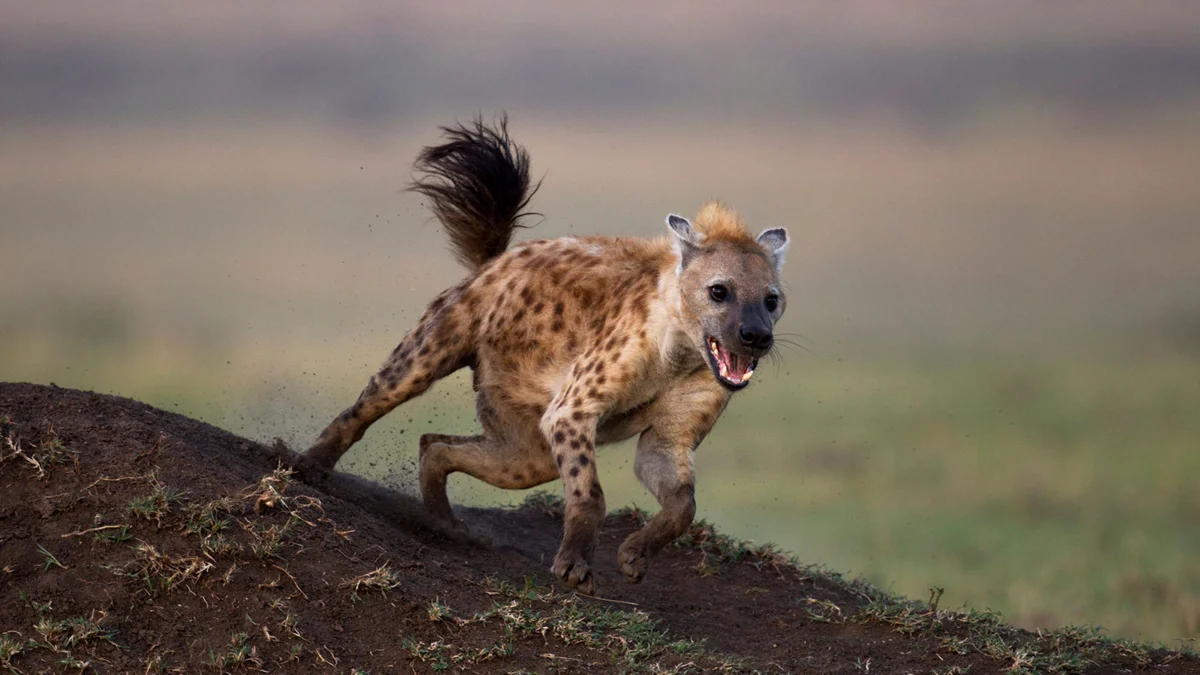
(382, 578)
(161, 572)
(268, 493)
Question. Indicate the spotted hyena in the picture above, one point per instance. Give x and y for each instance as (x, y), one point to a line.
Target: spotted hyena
(575, 342)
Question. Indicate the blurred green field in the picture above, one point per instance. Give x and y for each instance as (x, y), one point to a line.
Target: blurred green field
(1057, 489)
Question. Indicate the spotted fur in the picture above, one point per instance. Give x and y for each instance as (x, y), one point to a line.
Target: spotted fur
(576, 342)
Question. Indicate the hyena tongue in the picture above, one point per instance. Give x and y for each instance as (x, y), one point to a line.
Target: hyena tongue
(738, 365)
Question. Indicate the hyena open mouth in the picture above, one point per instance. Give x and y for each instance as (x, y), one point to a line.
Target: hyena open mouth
(732, 370)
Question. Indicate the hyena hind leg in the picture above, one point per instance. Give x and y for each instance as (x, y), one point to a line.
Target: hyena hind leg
(433, 350)
(495, 461)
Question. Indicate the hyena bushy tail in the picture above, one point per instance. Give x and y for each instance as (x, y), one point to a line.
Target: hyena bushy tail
(478, 184)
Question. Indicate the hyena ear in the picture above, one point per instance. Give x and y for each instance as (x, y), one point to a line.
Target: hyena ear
(775, 242)
(686, 240)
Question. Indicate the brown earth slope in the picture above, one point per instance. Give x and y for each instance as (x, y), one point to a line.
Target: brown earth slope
(137, 540)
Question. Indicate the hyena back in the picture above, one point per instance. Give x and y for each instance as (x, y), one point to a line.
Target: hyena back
(575, 342)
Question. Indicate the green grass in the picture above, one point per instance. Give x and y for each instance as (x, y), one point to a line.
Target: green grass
(67, 639)
(239, 653)
(632, 640)
(1057, 489)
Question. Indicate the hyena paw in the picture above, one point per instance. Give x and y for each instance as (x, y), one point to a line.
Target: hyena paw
(633, 559)
(308, 470)
(322, 456)
(457, 531)
(574, 571)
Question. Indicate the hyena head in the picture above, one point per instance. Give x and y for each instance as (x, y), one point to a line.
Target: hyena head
(730, 293)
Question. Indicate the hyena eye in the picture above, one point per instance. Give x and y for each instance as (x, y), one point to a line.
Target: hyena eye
(718, 293)
(771, 302)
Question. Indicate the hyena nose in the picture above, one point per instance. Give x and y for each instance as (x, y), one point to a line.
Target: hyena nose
(755, 337)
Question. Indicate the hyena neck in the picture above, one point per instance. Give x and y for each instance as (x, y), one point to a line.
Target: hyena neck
(678, 351)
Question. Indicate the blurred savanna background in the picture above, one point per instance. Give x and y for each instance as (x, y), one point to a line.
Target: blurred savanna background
(994, 282)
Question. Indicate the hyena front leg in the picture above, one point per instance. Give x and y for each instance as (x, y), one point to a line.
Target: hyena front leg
(572, 437)
(663, 464)
(437, 347)
(665, 468)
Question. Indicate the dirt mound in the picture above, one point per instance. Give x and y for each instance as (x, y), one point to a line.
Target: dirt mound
(137, 540)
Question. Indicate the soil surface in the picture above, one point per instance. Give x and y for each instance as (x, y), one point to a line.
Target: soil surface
(138, 540)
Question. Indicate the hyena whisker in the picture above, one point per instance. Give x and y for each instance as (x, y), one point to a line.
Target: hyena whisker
(794, 335)
(791, 344)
